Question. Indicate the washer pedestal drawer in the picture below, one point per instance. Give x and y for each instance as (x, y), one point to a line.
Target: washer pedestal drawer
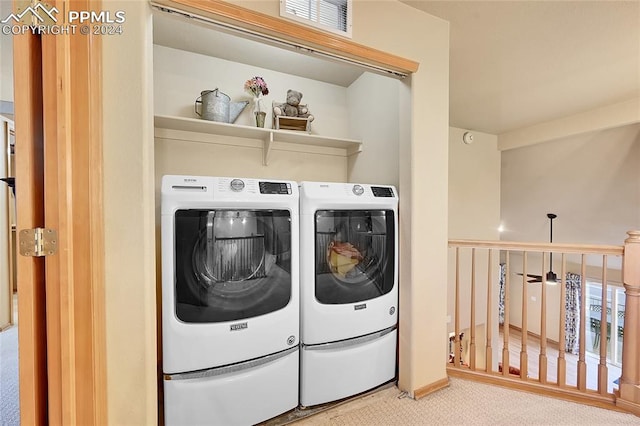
(242, 394)
(335, 371)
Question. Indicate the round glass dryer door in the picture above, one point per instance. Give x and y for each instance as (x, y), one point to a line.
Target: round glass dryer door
(354, 255)
(231, 264)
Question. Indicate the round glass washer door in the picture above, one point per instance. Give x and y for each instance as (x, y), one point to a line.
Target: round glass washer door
(231, 264)
(355, 252)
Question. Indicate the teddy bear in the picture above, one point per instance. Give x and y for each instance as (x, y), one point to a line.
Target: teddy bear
(292, 107)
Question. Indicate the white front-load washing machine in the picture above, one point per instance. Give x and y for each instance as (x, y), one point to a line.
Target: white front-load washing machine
(348, 289)
(230, 299)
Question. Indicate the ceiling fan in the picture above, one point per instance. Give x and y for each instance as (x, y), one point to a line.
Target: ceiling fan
(551, 277)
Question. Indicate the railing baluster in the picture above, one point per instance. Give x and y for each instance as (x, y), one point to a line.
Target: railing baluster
(505, 326)
(582, 364)
(472, 331)
(542, 367)
(489, 323)
(524, 361)
(615, 317)
(603, 373)
(456, 348)
(562, 362)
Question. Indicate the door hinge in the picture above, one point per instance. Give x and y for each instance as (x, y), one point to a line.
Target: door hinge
(38, 242)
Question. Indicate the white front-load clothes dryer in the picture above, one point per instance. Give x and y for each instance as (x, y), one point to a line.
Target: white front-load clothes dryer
(230, 299)
(348, 289)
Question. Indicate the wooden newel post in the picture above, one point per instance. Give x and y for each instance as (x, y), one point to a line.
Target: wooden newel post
(629, 398)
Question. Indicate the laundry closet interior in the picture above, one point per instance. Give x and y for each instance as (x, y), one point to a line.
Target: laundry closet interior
(354, 138)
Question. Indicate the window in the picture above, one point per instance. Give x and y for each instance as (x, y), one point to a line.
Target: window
(329, 15)
(615, 320)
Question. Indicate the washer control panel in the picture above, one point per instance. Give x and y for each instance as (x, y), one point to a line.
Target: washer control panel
(193, 191)
(252, 186)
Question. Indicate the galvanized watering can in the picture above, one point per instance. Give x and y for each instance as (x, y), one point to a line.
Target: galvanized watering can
(217, 106)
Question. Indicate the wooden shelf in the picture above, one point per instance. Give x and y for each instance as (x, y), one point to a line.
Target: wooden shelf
(267, 136)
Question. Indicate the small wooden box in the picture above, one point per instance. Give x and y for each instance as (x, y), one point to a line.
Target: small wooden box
(291, 123)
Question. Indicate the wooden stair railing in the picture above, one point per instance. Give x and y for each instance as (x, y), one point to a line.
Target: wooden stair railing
(469, 285)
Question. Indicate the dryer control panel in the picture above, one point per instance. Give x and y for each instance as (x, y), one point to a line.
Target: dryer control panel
(350, 192)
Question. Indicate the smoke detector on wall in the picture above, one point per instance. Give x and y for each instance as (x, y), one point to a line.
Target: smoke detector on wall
(467, 138)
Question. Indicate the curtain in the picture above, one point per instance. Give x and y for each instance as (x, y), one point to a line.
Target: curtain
(573, 288)
(501, 298)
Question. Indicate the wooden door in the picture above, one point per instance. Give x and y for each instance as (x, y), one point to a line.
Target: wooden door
(58, 120)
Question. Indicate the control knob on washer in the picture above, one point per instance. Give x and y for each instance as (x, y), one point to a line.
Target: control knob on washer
(358, 190)
(237, 185)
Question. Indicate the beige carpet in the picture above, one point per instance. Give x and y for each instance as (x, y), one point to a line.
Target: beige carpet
(9, 385)
(466, 403)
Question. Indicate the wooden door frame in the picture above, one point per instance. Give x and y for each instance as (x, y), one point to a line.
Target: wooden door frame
(27, 63)
(58, 122)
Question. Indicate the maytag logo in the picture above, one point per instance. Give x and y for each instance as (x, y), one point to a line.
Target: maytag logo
(359, 307)
(239, 326)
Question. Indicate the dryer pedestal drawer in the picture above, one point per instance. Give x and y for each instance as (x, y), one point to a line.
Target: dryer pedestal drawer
(230, 396)
(335, 371)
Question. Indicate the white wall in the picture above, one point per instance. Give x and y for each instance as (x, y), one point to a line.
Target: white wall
(373, 102)
(6, 94)
(130, 285)
(474, 213)
(591, 181)
(6, 58)
(474, 186)
(190, 156)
